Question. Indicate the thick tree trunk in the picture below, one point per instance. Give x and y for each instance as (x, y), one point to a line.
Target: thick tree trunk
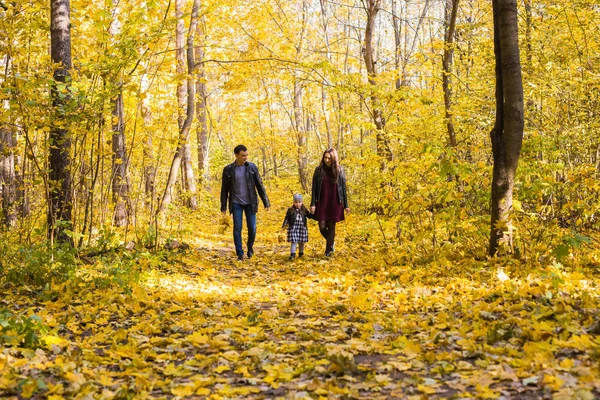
(120, 187)
(8, 179)
(507, 134)
(450, 25)
(383, 147)
(201, 102)
(184, 134)
(59, 205)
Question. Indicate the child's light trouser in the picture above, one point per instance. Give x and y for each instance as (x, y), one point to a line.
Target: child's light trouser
(300, 247)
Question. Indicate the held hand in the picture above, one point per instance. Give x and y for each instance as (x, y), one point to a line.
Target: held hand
(312, 209)
(347, 210)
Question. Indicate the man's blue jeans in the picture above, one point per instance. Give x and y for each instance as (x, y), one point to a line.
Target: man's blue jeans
(238, 209)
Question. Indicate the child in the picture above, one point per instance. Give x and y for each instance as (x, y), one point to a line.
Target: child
(295, 218)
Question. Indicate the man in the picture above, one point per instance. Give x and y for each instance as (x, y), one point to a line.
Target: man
(239, 185)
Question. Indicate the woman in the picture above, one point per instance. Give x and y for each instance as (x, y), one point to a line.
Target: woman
(329, 199)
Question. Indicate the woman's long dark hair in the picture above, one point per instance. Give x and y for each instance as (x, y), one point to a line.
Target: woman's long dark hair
(335, 165)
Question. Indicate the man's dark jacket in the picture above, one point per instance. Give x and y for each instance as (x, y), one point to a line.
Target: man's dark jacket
(252, 180)
(317, 182)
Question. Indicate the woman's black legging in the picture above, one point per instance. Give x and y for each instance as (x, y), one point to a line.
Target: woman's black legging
(327, 229)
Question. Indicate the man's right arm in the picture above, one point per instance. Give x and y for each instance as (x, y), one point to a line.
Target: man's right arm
(224, 190)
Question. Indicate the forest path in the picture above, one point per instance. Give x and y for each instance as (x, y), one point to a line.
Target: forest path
(362, 324)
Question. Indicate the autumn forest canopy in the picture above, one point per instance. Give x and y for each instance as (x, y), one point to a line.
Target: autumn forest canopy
(469, 134)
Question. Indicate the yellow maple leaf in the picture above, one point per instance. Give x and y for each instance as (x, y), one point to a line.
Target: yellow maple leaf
(182, 390)
(198, 339)
(243, 370)
(222, 368)
(485, 392)
(105, 380)
(28, 388)
(553, 382)
(426, 389)
(203, 391)
(361, 300)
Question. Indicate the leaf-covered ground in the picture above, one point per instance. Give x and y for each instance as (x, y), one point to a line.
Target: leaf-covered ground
(367, 323)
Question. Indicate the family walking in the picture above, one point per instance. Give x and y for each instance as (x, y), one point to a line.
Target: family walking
(241, 185)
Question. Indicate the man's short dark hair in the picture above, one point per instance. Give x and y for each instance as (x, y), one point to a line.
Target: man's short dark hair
(238, 148)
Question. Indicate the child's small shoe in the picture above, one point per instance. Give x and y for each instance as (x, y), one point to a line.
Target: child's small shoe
(300, 255)
(292, 256)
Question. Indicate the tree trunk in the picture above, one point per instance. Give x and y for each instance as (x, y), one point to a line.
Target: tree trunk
(325, 109)
(184, 134)
(59, 205)
(188, 180)
(119, 182)
(398, 44)
(149, 169)
(528, 25)
(300, 136)
(8, 179)
(300, 128)
(120, 187)
(383, 147)
(202, 133)
(450, 25)
(180, 65)
(507, 134)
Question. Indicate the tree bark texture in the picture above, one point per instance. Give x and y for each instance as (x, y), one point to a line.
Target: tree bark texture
(188, 180)
(301, 131)
(507, 134)
(8, 178)
(184, 133)
(149, 169)
(180, 65)
(528, 26)
(397, 24)
(120, 186)
(383, 147)
(450, 25)
(201, 103)
(324, 107)
(301, 136)
(60, 201)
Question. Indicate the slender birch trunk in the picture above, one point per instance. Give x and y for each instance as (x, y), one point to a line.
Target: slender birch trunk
(201, 103)
(450, 11)
(184, 134)
(8, 179)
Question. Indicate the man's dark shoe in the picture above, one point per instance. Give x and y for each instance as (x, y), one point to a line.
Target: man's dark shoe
(240, 257)
(292, 256)
(329, 253)
(250, 253)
